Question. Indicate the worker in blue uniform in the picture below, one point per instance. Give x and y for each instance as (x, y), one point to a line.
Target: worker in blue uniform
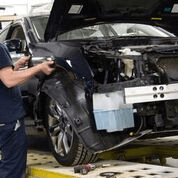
(12, 131)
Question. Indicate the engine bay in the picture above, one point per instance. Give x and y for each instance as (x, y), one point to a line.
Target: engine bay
(147, 74)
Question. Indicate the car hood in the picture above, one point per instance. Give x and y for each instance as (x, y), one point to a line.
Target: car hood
(71, 14)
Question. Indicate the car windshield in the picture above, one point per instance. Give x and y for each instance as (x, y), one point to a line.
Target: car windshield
(115, 30)
(101, 31)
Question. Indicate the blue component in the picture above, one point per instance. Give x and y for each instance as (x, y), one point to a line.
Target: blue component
(114, 120)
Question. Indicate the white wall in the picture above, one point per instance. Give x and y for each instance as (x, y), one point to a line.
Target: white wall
(19, 7)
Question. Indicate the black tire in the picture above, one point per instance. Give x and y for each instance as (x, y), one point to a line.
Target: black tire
(64, 143)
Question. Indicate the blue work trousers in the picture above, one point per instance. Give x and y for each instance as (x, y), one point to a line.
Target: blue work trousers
(13, 147)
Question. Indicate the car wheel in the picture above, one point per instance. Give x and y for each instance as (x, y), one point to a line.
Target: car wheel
(64, 143)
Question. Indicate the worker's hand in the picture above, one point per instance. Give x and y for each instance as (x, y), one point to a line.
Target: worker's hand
(22, 62)
(46, 67)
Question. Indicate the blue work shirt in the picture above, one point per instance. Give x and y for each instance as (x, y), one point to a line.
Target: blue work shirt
(11, 104)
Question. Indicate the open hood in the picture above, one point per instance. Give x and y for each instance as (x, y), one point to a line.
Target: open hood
(71, 14)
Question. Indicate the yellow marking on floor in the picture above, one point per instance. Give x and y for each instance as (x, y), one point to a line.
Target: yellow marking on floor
(44, 165)
(44, 173)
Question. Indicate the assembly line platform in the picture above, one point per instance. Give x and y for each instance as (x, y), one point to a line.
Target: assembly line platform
(41, 165)
(152, 154)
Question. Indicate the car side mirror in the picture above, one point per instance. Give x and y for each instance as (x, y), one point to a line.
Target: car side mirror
(14, 45)
(15, 49)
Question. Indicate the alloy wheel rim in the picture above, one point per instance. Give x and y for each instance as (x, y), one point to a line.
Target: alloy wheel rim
(60, 130)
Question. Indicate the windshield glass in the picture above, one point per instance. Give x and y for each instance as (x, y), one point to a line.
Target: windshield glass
(114, 30)
(101, 31)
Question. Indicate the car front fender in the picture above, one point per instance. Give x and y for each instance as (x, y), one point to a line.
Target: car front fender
(70, 95)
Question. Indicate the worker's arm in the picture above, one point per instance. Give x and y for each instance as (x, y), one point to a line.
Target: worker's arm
(12, 77)
(23, 61)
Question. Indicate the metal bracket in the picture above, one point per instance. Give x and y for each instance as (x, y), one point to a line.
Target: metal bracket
(151, 93)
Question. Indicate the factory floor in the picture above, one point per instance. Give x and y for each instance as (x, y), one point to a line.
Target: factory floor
(154, 158)
(42, 164)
